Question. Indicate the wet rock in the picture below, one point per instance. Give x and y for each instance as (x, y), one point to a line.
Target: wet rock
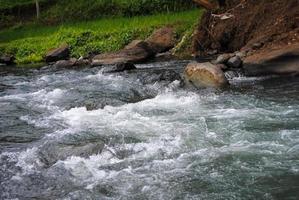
(204, 75)
(61, 53)
(120, 67)
(235, 62)
(281, 61)
(166, 56)
(7, 59)
(82, 62)
(231, 74)
(241, 54)
(50, 153)
(130, 54)
(65, 63)
(257, 45)
(223, 58)
(223, 67)
(162, 40)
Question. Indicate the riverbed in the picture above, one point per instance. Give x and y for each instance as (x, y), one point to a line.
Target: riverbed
(85, 134)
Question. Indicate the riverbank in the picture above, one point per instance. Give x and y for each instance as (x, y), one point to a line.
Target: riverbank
(30, 43)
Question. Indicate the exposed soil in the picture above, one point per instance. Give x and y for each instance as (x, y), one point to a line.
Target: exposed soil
(253, 25)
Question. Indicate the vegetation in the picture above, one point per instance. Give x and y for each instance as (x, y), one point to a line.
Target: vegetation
(60, 11)
(30, 43)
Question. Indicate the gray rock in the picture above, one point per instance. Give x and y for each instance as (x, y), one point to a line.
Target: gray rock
(120, 67)
(61, 53)
(235, 62)
(223, 67)
(231, 74)
(65, 63)
(7, 59)
(241, 54)
(223, 58)
(204, 75)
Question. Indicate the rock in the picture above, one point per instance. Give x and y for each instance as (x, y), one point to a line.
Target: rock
(223, 58)
(241, 54)
(257, 45)
(120, 67)
(223, 67)
(231, 74)
(82, 62)
(7, 59)
(212, 52)
(65, 63)
(166, 56)
(282, 61)
(130, 54)
(204, 75)
(235, 62)
(162, 40)
(61, 53)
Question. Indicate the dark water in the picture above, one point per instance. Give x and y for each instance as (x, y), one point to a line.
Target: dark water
(82, 134)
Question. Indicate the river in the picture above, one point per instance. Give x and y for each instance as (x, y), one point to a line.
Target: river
(84, 134)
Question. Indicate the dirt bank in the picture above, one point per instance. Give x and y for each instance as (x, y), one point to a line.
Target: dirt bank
(258, 26)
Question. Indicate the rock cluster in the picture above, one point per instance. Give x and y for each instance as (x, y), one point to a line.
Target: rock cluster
(137, 51)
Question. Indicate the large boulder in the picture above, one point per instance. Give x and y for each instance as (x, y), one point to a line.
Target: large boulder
(61, 53)
(7, 59)
(204, 75)
(162, 40)
(137, 51)
(280, 61)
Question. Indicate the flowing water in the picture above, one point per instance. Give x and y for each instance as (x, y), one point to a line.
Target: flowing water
(83, 134)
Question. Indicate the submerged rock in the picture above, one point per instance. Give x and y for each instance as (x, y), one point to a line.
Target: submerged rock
(61, 53)
(204, 75)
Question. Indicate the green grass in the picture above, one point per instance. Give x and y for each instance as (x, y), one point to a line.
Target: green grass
(30, 43)
(61, 11)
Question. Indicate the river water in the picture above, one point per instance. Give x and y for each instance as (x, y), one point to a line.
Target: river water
(83, 134)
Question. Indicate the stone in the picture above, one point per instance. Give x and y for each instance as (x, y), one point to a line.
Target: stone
(65, 63)
(223, 67)
(61, 53)
(162, 40)
(235, 62)
(241, 54)
(120, 67)
(202, 75)
(7, 59)
(130, 54)
(282, 61)
(231, 74)
(223, 58)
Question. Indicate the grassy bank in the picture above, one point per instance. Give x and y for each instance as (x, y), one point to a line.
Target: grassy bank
(14, 12)
(30, 43)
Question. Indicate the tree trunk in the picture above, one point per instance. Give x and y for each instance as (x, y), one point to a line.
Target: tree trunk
(37, 9)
